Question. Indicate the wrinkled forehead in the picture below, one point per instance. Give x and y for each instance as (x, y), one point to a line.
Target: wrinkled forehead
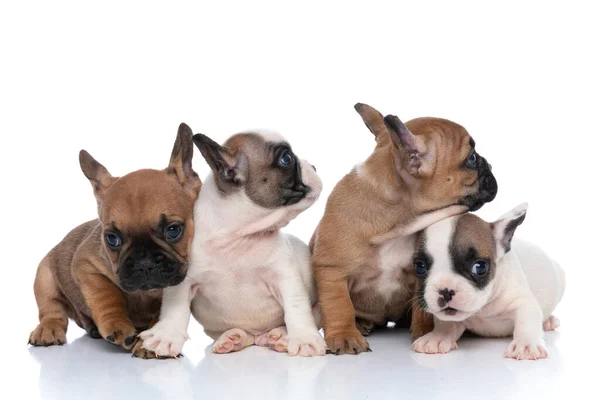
(443, 131)
(139, 201)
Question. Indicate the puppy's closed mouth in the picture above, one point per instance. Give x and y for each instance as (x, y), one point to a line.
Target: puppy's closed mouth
(291, 197)
(449, 311)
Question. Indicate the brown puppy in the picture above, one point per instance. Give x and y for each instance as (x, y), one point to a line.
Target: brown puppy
(108, 274)
(418, 174)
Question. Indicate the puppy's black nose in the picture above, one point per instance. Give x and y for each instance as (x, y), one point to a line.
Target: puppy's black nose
(447, 294)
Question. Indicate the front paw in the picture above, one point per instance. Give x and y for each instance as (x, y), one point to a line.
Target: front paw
(163, 341)
(434, 343)
(346, 342)
(48, 333)
(119, 332)
(526, 349)
(306, 344)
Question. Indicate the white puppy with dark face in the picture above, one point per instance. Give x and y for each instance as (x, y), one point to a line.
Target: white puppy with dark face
(474, 277)
(247, 283)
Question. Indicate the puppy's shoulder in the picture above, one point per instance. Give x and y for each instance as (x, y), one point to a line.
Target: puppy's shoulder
(73, 240)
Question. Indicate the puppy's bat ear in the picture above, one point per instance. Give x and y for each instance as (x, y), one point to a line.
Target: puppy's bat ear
(372, 118)
(99, 176)
(412, 145)
(181, 160)
(226, 166)
(504, 228)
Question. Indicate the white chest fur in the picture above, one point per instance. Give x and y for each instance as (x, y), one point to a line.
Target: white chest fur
(227, 279)
(394, 255)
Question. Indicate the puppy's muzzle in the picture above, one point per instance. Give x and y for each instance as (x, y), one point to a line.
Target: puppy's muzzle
(488, 187)
(146, 270)
(290, 196)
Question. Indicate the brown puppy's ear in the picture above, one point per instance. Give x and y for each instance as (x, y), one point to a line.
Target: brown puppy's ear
(227, 167)
(413, 145)
(181, 160)
(372, 118)
(504, 228)
(99, 176)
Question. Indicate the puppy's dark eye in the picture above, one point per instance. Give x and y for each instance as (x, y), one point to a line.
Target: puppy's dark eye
(112, 240)
(472, 160)
(420, 268)
(480, 268)
(286, 159)
(174, 232)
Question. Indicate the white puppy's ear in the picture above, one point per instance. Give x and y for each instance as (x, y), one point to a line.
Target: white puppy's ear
(226, 166)
(504, 228)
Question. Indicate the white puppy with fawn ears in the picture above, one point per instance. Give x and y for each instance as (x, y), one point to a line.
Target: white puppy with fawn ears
(248, 283)
(474, 277)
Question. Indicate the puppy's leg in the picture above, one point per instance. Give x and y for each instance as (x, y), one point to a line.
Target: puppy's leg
(441, 340)
(167, 337)
(109, 311)
(337, 312)
(52, 328)
(303, 337)
(232, 340)
(551, 323)
(528, 341)
(421, 322)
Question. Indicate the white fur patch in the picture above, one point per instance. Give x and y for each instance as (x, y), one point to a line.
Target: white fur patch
(438, 246)
(359, 168)
(393, 255)
(268, 135)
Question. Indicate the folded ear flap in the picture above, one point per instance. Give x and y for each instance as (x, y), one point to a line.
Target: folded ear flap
(504, 228)
(372, 118)
(403, 138)
(228, 168)
(99, 176)
(181, 160)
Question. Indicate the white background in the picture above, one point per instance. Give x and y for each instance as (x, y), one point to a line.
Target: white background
(116, 78)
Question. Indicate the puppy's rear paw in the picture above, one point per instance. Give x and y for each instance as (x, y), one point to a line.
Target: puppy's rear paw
(232, 340)
(551, 323)
(278, 339)
(346, 342)
(434, 343)
(364, 327)
(48, 333)
(307, 343)
(526, 349)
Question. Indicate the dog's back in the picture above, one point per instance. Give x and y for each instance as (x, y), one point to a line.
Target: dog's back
(545, 277)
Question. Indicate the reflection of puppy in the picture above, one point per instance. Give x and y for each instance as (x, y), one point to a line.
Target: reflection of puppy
(107, 273)
(362, 249)
(85, 368)
(473, 278)
(254, 283)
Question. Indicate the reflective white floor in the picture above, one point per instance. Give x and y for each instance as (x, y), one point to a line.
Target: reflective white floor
(98, 370)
